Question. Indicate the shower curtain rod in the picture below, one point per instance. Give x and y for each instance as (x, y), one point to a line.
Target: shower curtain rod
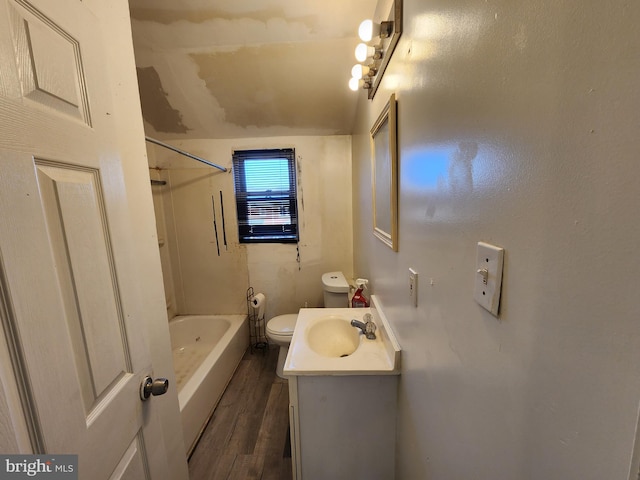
(186, 154)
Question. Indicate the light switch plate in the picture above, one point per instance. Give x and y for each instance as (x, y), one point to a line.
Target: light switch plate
(413, 287)
(488, 276)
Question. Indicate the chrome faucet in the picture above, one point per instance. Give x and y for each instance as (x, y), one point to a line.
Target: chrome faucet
(368, 327)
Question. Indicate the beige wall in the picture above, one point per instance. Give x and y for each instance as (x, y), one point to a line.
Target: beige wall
(547, 92)
(203, 282)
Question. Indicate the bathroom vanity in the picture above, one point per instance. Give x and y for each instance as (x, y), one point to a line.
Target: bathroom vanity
(342, 396)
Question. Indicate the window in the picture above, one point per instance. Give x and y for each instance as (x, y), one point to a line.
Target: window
(265, 182)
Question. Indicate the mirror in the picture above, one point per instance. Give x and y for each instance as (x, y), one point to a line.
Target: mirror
(384, 175)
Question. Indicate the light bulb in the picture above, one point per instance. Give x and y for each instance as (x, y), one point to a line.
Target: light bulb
(365, 30)
(355, 83)
(357, 71)
(362, 52)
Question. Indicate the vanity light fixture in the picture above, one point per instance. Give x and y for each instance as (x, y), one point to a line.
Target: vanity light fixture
(386, 33)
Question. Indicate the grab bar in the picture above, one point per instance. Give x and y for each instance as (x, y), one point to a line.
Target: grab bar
(186, 154)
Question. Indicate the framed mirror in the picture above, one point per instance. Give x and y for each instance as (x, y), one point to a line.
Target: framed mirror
(384, 175)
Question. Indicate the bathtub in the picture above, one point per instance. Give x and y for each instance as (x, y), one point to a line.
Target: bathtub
(206, 351)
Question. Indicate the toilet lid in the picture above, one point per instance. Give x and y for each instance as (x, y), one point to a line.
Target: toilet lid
(282, 324)
(334, 282)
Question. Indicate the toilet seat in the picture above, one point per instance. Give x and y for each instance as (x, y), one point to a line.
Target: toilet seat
(282, 326)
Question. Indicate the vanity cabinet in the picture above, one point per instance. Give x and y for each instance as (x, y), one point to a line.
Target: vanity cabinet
(342, 401)
(343, 427)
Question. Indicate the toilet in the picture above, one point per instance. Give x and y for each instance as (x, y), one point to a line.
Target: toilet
(280, 328)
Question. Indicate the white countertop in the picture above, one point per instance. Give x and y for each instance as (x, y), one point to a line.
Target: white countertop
(372, 357)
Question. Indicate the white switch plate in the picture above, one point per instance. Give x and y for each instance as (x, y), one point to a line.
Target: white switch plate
(488, 284)
(413, 286)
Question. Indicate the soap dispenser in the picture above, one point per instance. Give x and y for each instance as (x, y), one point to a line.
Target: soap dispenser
(359, 300)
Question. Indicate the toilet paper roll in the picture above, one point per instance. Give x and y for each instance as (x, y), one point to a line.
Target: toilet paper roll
(259, 302)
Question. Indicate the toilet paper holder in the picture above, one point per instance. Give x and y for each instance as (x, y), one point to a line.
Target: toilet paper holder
(256, 303)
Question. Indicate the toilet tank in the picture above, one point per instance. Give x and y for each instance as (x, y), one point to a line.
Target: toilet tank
(335, 289)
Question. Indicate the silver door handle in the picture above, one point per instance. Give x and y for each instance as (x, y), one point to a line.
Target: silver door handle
(149, 387)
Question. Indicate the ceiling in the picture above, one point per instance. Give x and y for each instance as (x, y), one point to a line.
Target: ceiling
(246, 68)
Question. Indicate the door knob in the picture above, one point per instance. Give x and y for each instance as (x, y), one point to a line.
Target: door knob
(149, 387)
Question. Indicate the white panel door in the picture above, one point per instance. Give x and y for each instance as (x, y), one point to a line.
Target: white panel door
(78, 353)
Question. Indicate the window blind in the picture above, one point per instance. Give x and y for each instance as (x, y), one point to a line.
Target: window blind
(266, 195)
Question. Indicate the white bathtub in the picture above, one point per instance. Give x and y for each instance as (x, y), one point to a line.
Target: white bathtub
(206, 351)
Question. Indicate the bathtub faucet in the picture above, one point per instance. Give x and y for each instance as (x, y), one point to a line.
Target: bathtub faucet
(368, 327)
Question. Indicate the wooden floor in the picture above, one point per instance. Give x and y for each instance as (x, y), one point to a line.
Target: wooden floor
(247, 436)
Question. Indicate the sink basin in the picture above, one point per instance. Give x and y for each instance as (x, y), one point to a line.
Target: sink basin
(333, 336)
